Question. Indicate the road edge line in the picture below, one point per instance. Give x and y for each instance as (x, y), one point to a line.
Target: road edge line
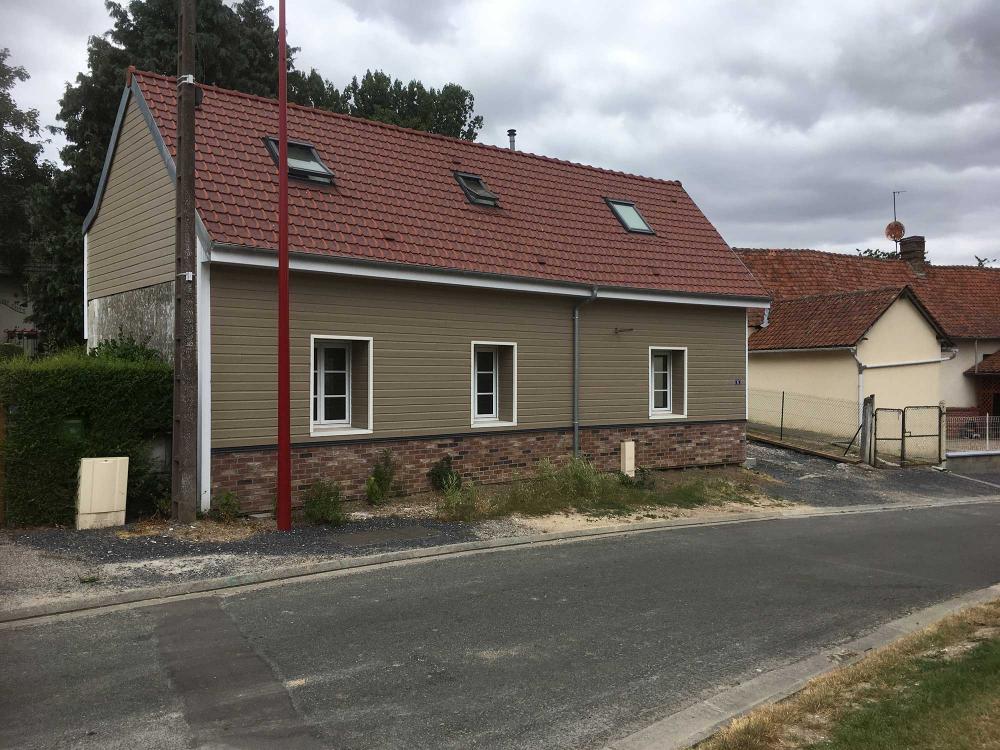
(682, 729)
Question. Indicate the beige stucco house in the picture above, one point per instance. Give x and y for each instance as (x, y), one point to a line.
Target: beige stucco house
(447, 298)
(946, 324)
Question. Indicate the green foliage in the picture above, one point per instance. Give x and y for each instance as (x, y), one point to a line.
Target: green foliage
(10, 351)
(442, 474)
(984, 262)
(127, 348)
(579, 486)
(871, 252)
(69, 406)
(459, 501)
(382, 484)
(226, 507)
(323, 503)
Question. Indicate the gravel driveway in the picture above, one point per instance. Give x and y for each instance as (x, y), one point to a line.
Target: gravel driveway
(824, 483)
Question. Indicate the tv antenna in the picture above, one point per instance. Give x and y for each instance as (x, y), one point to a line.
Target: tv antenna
(895, 229)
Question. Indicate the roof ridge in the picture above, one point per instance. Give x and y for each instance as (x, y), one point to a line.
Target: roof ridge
(898, 288)
(414, 131)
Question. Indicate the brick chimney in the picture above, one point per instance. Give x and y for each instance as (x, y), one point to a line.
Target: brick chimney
(911, 249)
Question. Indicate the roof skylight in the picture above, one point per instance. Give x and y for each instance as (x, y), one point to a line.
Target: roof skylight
(629, 216)
(303, 161)
(476, 190)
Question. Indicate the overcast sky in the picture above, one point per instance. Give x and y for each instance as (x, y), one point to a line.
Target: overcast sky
(789, 123)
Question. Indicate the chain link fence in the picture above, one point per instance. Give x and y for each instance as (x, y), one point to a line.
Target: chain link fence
(966, 434)
(826, 425)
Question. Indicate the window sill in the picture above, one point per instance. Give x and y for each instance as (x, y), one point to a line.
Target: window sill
(492, 423)
(666, 415)
(320, 430)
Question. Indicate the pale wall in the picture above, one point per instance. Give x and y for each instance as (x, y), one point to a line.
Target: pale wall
(958, 389)
(832, 374)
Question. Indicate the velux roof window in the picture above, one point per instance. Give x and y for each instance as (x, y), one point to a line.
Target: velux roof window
(303, 161)
(629, 216)
(476, 190)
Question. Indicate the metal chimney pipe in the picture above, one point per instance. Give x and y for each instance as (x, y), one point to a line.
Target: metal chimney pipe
(511, 134)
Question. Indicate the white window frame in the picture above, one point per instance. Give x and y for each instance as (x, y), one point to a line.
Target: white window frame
(498, 394)
(340, 427)
(667, 413)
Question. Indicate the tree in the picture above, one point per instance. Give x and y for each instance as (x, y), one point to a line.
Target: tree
(236, 49)
(21, 171)
(984, 262)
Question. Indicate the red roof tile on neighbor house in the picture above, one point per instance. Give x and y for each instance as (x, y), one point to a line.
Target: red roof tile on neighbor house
(823, 321)
(989, 365)
(965, 300)
(395, 199)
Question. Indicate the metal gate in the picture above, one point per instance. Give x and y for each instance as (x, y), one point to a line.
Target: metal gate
(908, 437)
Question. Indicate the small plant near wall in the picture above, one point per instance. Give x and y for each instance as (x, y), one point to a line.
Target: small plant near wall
(323, 503)
(382, 483)
(460, 502)
(225, 507)
(442, 474)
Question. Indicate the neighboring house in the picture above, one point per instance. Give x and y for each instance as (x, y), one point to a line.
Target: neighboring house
(962, 301)
(848, 345)
(14, 312)
(435, 284)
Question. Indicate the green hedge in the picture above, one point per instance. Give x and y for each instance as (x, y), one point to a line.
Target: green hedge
(69, 406)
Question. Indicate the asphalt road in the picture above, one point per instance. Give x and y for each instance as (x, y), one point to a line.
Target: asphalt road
(559, 646)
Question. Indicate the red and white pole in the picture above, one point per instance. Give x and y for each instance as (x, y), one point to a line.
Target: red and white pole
(284, 505)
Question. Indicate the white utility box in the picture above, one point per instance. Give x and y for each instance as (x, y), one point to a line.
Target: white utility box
(103, 486)
(628, 458)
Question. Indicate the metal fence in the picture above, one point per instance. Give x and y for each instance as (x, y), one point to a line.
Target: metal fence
(827, 425)
(908, 437)
(972, 434)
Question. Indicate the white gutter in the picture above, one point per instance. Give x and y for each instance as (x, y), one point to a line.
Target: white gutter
(908, 363)
(227, 254)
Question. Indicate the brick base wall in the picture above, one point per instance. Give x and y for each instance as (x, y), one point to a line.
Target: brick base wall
(485, 457)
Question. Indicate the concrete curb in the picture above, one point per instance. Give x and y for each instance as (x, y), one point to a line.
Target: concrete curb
(697, 722)
(160, 594)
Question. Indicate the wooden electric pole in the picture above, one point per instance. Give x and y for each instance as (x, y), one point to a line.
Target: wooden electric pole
(184, 474)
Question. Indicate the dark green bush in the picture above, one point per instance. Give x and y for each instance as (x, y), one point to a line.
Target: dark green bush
(323, 503)
(382, 483)
(69, 406)
(226, 507)
(127, 348)
(442, 474)
(10, 351)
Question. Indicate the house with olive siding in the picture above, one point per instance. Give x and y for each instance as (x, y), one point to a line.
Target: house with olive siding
(447, 298)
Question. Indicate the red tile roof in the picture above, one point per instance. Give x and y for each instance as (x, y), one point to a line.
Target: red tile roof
(964, 300)
(823, 321)
(395, 199)
(990, 365)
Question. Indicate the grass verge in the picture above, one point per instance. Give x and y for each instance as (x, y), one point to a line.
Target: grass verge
(936, 689)
(579, 487)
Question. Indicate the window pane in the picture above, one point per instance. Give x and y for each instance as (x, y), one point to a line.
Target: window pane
(484, 405)
(484, 382)
(300, 157)
(630, 217)
(660, 362)
(335, 408)
(660, 400)
(336, 359)
(484, 360)
(660, 381)
(335, 384)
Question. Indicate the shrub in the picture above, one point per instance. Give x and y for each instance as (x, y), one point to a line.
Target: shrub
(126, 348)
(10, 351)
(323, 503)
(67, 406)
(226, 507)
(459, 501)
(443, 475)
(382, 484)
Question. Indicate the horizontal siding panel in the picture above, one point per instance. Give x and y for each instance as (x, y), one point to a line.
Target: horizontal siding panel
(131, 242)
(422, 336)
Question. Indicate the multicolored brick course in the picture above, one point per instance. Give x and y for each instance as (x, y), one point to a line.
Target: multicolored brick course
(486, 458)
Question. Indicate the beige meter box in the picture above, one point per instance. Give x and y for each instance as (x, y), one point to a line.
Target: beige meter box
(103, 484)
(628, 458)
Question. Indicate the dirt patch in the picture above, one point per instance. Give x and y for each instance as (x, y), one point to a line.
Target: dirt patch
(202, 530)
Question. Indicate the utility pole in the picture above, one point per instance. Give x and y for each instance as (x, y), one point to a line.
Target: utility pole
(284, 504)
(184, 474)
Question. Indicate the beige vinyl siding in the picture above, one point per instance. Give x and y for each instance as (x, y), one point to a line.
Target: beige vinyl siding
(614, 367)
(131, 242)
(421, 342)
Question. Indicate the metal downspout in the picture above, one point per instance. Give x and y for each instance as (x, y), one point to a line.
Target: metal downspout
(576, 369)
